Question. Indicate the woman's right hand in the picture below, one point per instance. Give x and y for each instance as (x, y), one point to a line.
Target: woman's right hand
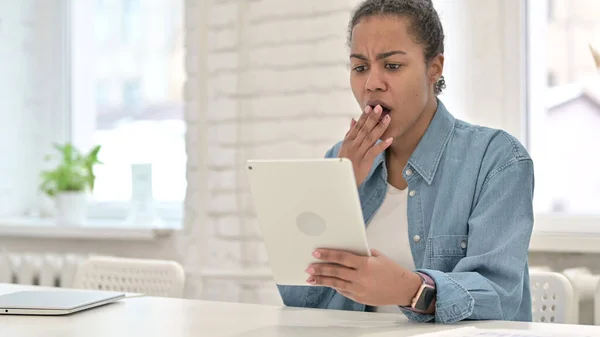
(360, 146)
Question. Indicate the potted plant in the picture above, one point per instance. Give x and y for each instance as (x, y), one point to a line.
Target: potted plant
(70, 182)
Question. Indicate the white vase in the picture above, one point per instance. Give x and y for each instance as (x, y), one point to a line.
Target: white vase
(71, 208)
(142, 208)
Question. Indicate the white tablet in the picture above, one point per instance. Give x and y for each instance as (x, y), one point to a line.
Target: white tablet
(303, 205)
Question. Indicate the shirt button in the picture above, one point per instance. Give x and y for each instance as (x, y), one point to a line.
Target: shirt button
(417, 238)
(412, 193)
(463, 244)
(409, 172)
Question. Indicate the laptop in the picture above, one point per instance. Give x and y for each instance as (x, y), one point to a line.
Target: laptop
(302, 205)
(54, 302)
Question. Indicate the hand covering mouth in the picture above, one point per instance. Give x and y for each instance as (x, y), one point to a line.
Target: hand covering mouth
(386, 110)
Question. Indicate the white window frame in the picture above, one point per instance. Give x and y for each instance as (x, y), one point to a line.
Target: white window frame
(81, 117)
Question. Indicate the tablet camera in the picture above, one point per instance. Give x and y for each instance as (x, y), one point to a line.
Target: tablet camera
(310, 223)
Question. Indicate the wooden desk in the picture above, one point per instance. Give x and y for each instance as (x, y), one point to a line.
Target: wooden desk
(150, 316)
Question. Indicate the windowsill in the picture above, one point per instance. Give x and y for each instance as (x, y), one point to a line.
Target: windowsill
(556, 234)
(566, 234)
(96, 229)
(565, 242)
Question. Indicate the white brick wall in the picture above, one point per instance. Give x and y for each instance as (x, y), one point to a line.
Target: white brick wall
(276, 86)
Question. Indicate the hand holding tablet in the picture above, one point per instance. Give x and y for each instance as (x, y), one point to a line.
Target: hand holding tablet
(304, 205)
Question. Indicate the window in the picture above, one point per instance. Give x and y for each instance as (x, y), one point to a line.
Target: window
(564, 106)
(126, 98)
(80, 76)
(132, 96)
(132, 17)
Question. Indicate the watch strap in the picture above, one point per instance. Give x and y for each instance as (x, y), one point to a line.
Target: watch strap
(426, 279)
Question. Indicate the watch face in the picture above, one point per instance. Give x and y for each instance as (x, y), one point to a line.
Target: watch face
(427, 296)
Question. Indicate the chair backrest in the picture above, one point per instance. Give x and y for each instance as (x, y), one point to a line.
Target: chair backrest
(553, 299)
(150, 277)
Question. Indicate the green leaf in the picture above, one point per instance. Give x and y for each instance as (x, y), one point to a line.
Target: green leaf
(74, 172)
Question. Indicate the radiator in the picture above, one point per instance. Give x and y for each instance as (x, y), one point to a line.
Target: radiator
(584, 282)
(45, 269)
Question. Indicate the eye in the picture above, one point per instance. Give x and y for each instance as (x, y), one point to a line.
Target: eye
(359, 69)
(393, 66)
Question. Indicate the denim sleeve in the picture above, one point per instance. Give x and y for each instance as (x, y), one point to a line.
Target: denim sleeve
(487, 284)
(334, 150)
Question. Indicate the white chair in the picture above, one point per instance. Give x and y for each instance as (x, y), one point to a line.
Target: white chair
(149, 277)
(553, 298)
(584, 284)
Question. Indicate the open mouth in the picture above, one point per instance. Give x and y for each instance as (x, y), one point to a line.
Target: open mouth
(385, 109)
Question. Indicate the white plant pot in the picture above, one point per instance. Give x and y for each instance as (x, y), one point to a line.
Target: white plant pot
(71, 208)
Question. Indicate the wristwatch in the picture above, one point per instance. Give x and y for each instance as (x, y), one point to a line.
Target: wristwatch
(426, 294)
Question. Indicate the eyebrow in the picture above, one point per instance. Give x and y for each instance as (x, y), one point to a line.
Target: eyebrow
(379, 56)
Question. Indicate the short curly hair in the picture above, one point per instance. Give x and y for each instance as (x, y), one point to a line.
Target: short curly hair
(425, 25)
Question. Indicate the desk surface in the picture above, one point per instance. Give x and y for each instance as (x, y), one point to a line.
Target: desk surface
(151, 316)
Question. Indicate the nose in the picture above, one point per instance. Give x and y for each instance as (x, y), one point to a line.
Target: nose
(375, 81)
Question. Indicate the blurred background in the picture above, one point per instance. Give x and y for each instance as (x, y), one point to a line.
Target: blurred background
(179, 93)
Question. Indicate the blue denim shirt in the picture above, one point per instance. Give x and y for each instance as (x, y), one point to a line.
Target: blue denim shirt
(470, 220)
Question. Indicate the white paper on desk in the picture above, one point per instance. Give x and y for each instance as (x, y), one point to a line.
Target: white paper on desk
(476, 332)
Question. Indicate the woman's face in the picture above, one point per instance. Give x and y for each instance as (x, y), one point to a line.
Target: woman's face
(388, 68)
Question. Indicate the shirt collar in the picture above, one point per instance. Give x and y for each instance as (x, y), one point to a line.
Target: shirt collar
(426, 157)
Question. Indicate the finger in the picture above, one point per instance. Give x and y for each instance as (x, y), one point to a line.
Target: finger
(352, 124)
(347, 294)
(375, 253)
(332, 282)
(364, 134)
(336, 256)
(376, 150)
(374, 135)
(361, 121)
(332, 270)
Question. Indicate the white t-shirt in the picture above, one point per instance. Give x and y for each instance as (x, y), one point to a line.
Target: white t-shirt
(388, 233)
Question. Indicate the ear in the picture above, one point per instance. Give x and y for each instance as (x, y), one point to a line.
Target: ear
(436, 68)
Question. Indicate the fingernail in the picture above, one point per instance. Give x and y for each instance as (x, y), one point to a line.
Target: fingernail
(317, 254)
(386, 118)
(310, 280)
(310, 271)
(378, 109)
(368, 109)
(389, 140)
